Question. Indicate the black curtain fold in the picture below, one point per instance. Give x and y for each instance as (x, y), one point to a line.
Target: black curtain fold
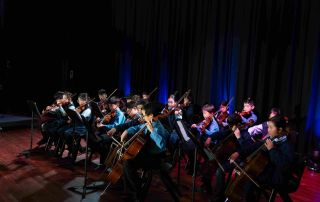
(223, 49)
(219, 49)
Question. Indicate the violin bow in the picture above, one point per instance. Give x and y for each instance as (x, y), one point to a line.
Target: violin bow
(154, 90)
(112, 93)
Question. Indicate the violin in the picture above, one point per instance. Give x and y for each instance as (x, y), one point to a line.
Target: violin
(245, 114)
(204, 124)
(49, 113)
(166, 112)
(108, 117)
(50, 108)
(183, 105)
(221, 117)
(80, 109)
(103, 105)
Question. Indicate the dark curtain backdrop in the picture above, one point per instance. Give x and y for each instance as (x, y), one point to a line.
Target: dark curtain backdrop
(221, 49)
(54, 45)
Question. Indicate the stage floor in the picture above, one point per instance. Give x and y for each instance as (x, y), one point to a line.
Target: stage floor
(10, 120)
(42, 177)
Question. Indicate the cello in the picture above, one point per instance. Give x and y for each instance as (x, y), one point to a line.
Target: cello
(126, 151)
(223, 150)
(254, 165)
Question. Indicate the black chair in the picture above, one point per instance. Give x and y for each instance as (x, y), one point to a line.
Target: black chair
(75, 137)
(294, 180)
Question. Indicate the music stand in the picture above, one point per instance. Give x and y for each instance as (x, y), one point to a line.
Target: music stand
(184, 139)
(206, 152)
(34, 112)
(76, 117)
(96, 110)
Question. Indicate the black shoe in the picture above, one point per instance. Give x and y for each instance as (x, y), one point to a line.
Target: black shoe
(129, 198)
(204, 189)
(189, 172)
(217, 199)
(42, 141)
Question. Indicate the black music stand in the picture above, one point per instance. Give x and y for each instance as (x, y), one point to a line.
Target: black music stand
(96, 110)
(198, 147)
(76, 117)
(182, 132)
(32, 105)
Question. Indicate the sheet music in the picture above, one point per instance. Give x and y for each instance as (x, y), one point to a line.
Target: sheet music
(183, 131)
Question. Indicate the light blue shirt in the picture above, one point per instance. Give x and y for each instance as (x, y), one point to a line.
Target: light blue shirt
(252, 117)
(209, 131)
(158, 137)
(117, 120)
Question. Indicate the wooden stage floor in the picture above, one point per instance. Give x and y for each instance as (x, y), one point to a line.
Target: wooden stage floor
(43, 178)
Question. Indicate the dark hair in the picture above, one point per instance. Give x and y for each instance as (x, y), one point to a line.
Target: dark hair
(208, 107)
(131, 104)
(249, 101)
(173, 97)
(279, 122)
(84, 96)
(275, 110)
(58, 95)
(136, 98)
(68, 94)
(224, 103)
(123, 104)
(152, 108)
(234, 119)
(142, 102)
(114, 100)
(102, 91)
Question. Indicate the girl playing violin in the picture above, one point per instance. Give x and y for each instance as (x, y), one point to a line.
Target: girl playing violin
(280, 155)
(173, 114)
(222, 115)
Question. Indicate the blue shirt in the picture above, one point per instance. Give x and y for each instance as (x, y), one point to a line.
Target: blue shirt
(211, 129)
(158, 138)
(252, 117)
(117, 120)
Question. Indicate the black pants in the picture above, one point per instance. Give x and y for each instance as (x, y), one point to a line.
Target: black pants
(145, 161)
(104, 147)
(51, 128)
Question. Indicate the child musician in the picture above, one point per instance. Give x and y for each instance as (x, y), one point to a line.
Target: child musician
(247, 114)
